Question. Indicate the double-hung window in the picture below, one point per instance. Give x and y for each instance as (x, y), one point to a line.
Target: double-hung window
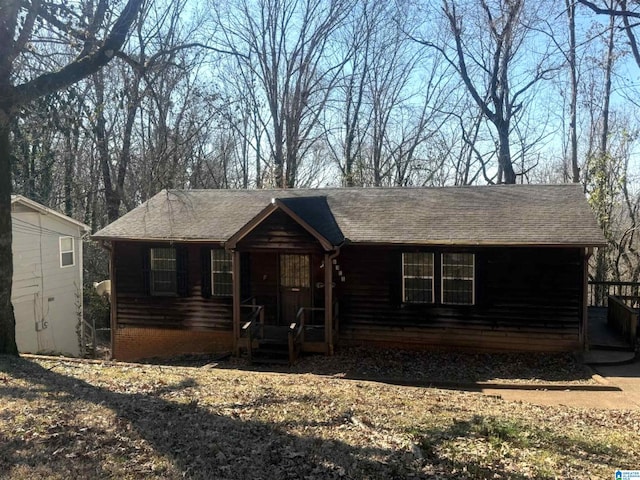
(458, 272)
(417, 277)
(67, 254)
(163, 271)
(221, 273)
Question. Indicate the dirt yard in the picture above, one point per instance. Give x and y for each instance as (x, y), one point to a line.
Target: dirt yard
(61, 420)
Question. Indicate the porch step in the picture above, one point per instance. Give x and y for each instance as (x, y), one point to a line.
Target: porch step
(268, 360)
(274, 343)
(271, 351)
(270, 356)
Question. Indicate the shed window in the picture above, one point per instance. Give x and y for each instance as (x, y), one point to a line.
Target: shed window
(417, 277)
(163, 271)
(67, 254)
(221, 273)
(458, 272)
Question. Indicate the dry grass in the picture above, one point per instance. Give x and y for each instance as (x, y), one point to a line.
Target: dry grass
(67, 420)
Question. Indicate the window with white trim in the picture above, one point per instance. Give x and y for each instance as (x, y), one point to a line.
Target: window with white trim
(67, 252)
(458, 273)
(417, 277)
(163, 271)
(221, 273)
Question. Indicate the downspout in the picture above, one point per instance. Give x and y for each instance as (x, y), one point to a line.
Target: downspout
(584, 331)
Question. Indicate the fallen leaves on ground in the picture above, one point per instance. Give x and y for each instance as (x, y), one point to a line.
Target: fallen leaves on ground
(62, 419)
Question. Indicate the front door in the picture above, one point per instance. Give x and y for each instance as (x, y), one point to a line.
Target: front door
(295, 286)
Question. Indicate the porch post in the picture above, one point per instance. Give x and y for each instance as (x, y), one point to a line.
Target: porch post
(328, 304)
(113, 298)
(236, 301)
(584, 331)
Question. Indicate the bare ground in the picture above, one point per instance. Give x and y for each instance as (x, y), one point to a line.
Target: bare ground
(61, 419)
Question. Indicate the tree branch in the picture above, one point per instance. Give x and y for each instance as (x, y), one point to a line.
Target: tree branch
(27, 28)
(609, 11)
(632, 39)
(98, 18)
(81, 67)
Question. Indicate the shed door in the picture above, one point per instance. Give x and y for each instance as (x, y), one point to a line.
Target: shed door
(295, 285)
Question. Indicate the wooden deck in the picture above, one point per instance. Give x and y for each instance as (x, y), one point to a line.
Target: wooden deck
(600, 335)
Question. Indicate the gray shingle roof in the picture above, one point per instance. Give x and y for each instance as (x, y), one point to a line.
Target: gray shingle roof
(317, 213)
(471, 215)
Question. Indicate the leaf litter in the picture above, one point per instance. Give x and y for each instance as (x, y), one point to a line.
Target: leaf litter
(63, 420)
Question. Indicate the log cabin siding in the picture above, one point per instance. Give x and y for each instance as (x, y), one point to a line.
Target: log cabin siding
(135, 307)
(526, 299)
(279, 231)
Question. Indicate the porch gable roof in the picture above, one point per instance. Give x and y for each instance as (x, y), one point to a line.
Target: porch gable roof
(311, 213)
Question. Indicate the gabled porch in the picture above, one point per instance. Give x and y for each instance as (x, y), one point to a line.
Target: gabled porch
(284, 277)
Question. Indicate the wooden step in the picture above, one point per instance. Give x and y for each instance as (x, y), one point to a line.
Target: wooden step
(271, 351)
(268, 356)
(273, 343)
(269, 360)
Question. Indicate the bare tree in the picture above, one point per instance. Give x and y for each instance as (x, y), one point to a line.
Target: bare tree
(388, 105)
(20, 27)
(146, 81)
(285, 45)
(347, 119)
(492, 74)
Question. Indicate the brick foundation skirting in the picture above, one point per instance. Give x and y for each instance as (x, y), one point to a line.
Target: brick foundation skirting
(137, 343)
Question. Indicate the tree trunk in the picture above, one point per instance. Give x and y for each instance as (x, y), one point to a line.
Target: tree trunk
(8, 19)
(68, 175)
(573, 127)
(504, 154)
(100, 130)
(11, 98)
(604, 134)
(7, 318)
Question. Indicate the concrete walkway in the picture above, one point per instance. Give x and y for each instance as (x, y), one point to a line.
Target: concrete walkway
(626, 377)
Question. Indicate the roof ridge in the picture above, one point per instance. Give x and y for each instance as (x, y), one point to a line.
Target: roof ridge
(377, 188)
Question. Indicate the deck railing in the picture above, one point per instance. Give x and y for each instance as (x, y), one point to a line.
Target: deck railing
(88, 344)
(622, 316)
(599, 292)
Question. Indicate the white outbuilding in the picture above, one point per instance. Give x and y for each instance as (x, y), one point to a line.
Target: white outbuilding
(47, 278)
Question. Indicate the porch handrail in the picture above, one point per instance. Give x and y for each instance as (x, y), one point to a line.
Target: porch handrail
(253, 325)
(335, 318)
(303, 310)
(295, 336)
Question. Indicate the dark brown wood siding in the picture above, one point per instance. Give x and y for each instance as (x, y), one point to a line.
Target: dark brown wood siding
(526, 299)
(135, 307)
(279, 231)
